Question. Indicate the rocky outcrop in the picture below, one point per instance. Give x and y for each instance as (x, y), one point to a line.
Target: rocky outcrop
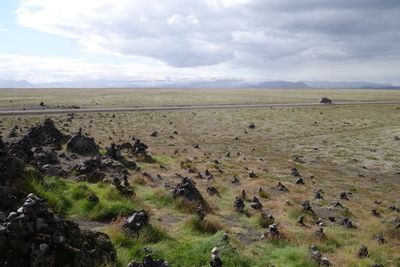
(34, 236)
(187, 190)
(82, 145)
(45, 134)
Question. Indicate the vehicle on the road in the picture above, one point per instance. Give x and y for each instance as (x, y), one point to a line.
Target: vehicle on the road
(325, 100)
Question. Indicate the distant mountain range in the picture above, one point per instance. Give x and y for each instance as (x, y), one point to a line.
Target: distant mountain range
(212, 83)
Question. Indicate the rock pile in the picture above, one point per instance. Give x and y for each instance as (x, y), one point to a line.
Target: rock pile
(45, 134)
(238, 204)
(148, 261)
(136, 221)
(215, 258)
(187, 190)
(34, 236)
(82, 145)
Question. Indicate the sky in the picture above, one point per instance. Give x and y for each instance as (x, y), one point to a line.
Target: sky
(255, 40)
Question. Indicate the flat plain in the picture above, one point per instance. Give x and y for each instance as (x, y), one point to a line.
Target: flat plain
(352, 149)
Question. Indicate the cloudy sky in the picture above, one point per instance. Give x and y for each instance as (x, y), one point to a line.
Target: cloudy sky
(70, 40)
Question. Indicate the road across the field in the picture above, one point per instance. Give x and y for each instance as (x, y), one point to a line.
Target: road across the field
(45, 111)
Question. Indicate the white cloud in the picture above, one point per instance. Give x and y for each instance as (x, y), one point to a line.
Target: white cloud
(258, 38)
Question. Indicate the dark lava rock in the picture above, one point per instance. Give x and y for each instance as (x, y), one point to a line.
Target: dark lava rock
(273, 232)
(82, 145)
(148, 261)
(295, 172)
(212, 191)
(346, 222)
(306, 206)
(3, 146)
(325, 100)
(238, 204)
(11, 168)
(363, 252)
(113, 152)
(45, 134)
(136, 221)
(43, 156)
(139, 147)
(281, 187)
(252, 126)
(34, 236)
(187, 190)
(256, 204)
(343, 195)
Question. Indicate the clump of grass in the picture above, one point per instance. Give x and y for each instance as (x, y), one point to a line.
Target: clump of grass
(158, 197)
(263, 194)
(206, 226)
(130, 246)
(163, 159)
(70, 198)
(196, 251)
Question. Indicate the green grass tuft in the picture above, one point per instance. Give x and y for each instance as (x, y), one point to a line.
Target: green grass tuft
(70, 198)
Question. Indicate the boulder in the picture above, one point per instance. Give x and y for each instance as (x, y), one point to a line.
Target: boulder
(139, 147)
(256, 204)
(45, 134)
(82, 145)
(363, 252)
(187, 190)
(113, 152)
(238, 204)
(136, 221)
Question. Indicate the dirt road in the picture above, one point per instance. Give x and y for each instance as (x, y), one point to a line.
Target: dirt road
(45, 111)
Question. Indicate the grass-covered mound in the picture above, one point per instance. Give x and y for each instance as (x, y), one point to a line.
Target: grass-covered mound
(71, 199)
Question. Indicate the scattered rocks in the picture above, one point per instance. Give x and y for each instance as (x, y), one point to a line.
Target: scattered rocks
(252, 126)
(317, 257)
(148, 261)
(346, 222)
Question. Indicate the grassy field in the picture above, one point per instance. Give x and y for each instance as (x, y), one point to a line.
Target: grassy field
(336, 148)
(31, 98)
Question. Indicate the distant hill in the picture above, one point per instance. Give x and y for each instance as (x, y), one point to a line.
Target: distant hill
(282, 85)
(187, 83)
(15, 84)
